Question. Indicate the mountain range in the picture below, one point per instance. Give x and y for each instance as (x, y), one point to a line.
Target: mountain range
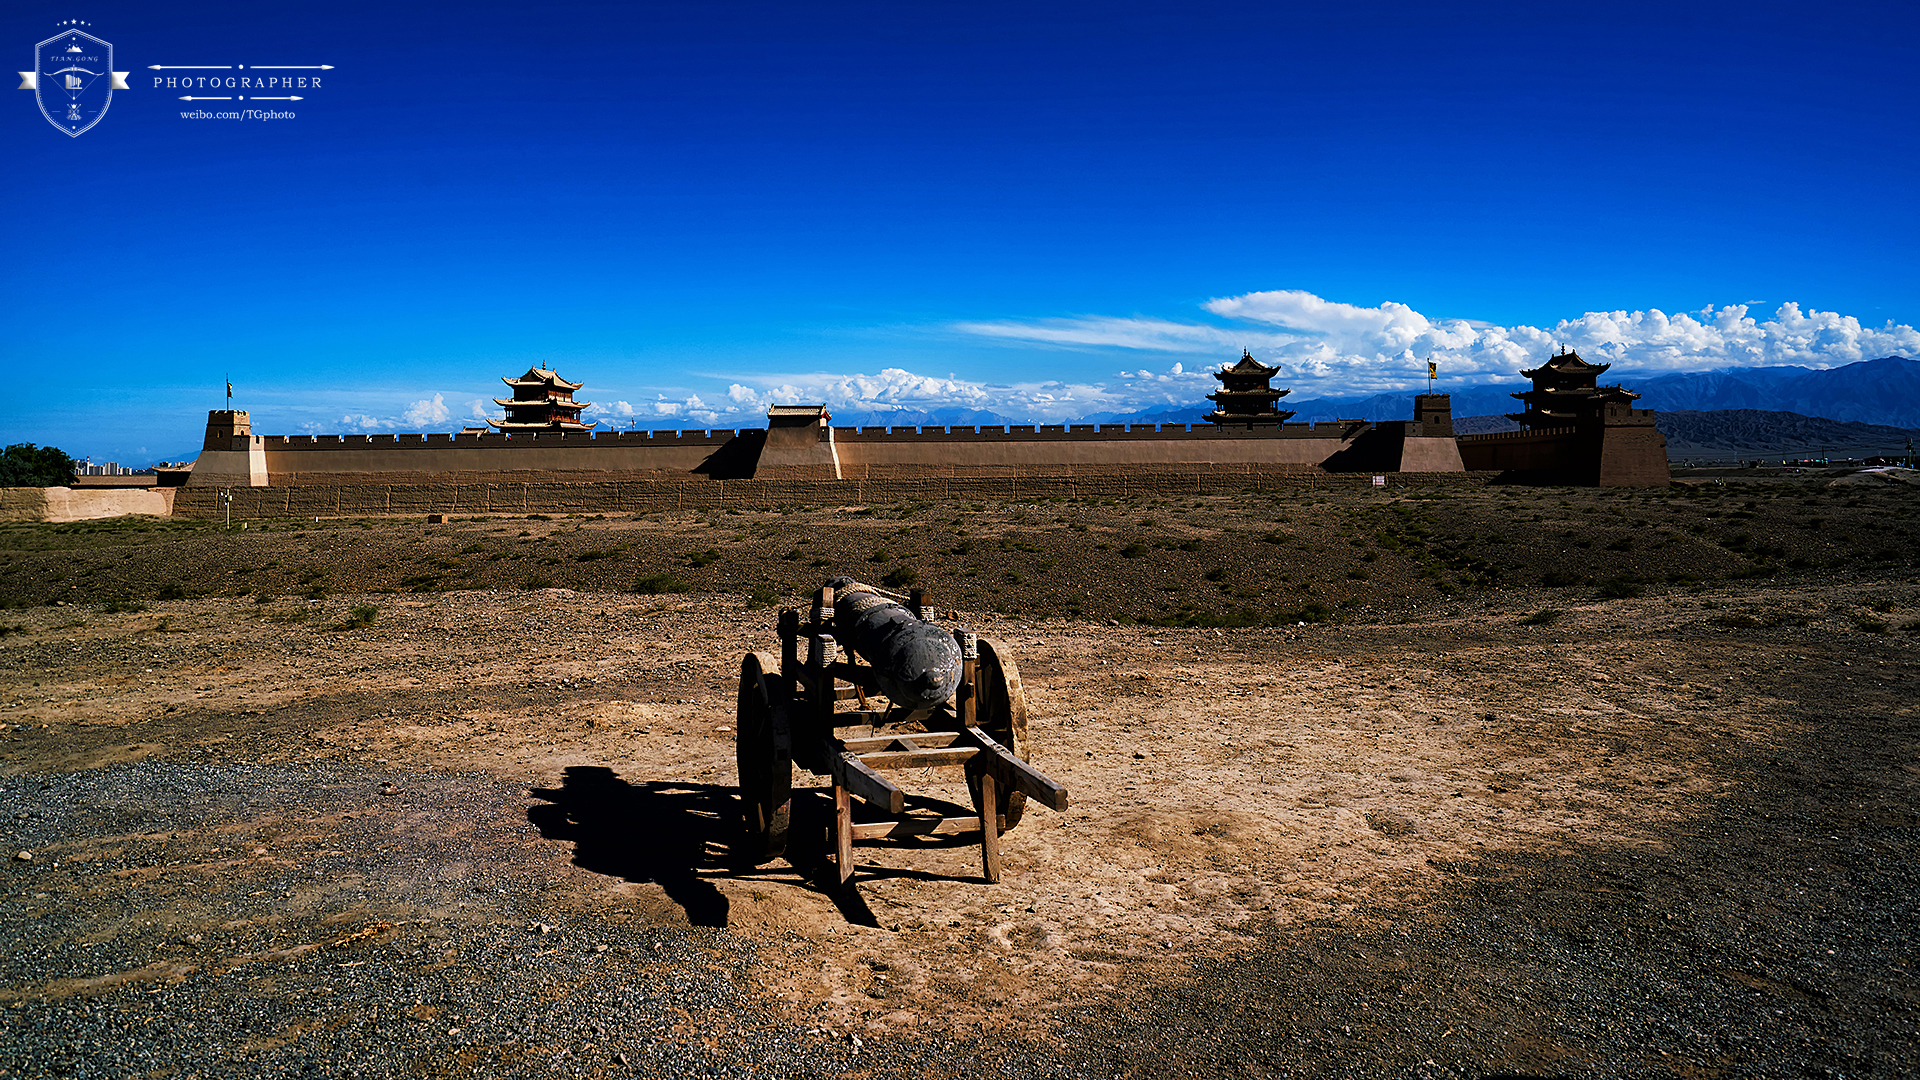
(1884, 391)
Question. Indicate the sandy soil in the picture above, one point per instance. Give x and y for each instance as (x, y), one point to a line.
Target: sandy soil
(1233, 787)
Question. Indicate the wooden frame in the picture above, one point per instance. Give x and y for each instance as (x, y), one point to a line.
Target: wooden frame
(806, 726)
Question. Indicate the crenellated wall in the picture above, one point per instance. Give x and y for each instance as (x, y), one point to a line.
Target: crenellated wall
(238, 459)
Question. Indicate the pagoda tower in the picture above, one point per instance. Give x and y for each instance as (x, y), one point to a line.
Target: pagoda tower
(1566, 394)
(1244, 396)
(542, 401)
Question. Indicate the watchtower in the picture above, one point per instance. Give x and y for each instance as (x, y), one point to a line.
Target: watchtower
(1245, 397)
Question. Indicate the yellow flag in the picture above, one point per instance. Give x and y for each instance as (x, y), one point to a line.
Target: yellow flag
(1433, 370)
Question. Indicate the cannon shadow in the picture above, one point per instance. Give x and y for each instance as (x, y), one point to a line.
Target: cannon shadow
(673, 834)
(682, 835)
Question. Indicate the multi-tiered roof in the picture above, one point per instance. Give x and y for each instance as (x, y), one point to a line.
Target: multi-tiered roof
(1566, 394)
(542, 401)
(1244, 396)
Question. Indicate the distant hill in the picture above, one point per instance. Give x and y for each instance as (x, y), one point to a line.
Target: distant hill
(1777, 434)
(1729, 433)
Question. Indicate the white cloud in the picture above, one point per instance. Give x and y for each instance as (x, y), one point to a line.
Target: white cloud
(431, 412)
(1327, 347)
(896, 390)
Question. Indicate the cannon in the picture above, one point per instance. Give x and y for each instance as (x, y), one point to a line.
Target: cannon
(905, 692)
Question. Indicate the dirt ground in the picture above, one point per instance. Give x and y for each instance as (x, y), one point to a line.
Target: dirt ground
(1387, 804)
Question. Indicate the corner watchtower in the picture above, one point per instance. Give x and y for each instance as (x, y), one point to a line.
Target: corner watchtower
(1245, 397)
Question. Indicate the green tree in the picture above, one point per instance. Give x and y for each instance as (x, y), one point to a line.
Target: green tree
(27, 465)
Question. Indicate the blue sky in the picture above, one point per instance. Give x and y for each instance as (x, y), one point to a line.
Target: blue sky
(1042, 210)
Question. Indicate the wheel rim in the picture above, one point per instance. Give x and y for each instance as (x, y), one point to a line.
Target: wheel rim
(763, 755)
(1002, 714)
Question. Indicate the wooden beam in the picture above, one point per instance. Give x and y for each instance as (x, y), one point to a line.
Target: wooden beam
(1020, 775)
(916, 740)
(918, 759)
(872, 788)
(905, 827)
(842, 833)
(986, 799)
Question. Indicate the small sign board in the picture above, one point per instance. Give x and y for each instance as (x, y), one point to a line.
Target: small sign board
(1379, 481)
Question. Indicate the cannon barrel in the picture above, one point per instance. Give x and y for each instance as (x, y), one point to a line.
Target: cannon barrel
(915, 663)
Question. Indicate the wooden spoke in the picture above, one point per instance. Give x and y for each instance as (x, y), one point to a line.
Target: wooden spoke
(763, 750)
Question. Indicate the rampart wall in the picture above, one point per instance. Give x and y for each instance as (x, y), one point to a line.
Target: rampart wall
(654, 496)
(848, 453)
(1627, 450)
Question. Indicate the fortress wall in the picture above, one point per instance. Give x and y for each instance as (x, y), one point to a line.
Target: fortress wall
(1086, 449)
(1634, 453)
(863, 453)
(60, 504)
(1627, 451)
(1431, 455)
(1543, 452)
(332, 459)
(655, 496)
(982, 456)
(1098, 433)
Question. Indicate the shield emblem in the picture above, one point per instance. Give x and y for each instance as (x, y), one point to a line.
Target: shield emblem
(74, 80)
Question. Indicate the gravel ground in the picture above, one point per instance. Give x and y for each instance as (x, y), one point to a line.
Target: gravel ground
(345, 944)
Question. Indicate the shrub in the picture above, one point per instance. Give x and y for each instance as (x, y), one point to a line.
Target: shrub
(361, 616)
(1312, 613)
(879, 554)
(1133, 550)
(1560, 579)
(171, 591)
(656, 584)
(116, 607)
(536, 581)
(1543, 617)
(703, 558)
(1621, 588)
(901, 577)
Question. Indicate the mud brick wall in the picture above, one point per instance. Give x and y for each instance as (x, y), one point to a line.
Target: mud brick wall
(1626, 451)
(653, 496)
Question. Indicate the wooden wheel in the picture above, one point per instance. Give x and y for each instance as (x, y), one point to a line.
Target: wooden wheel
(1001, 712)
(763, 750)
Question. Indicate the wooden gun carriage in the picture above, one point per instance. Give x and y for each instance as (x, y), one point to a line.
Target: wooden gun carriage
(825, 708)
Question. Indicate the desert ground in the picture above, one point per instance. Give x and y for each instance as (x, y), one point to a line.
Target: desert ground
(1448, 782)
